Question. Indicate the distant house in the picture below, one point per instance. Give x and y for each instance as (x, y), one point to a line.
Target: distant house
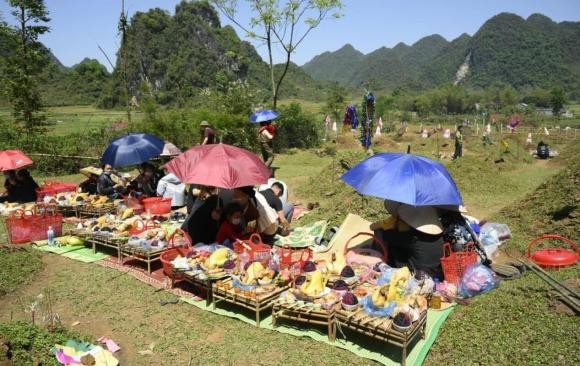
(548, 112)
(544, 111)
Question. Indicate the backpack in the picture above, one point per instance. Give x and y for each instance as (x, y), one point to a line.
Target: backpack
(543, 151)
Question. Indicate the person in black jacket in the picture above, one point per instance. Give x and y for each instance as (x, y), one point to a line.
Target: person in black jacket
(105, 184)
(11, 186)
(204, 222)
(26, 186)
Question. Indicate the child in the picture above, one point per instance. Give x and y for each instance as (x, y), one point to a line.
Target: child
(231, 228)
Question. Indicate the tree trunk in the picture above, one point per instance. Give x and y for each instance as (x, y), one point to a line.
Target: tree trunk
(269, 42)
(286, 65)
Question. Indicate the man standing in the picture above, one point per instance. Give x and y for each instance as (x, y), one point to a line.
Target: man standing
(207, 132)
(458, 143)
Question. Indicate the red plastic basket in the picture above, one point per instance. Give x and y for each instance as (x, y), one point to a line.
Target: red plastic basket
(27, 226)
(139, 227)
(179, 243)
(455, 263)
(135, 203)
(157, 205)
(254, 246)
(290, 257)
(52, 188)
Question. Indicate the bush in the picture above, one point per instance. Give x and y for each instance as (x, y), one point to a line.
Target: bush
(30, 344)
(296, 129)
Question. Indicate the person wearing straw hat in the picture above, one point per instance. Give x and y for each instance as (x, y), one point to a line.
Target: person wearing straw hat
(90, 184)
(414, 237)
(207, 132)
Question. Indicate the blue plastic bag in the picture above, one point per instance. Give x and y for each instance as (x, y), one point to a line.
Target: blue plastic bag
(476, 280)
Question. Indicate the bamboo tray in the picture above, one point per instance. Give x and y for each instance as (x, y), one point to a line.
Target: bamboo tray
(251, 300)
(203, 281)
(305, 313)
(381, 328)
(140, 254)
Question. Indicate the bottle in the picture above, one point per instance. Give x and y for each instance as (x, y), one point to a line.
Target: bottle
(244, 259)
(50, 236)
(436, 297)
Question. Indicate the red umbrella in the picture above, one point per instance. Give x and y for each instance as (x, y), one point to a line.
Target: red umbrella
(13, 159)
(219, 165)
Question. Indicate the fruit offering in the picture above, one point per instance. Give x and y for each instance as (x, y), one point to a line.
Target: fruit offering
(309, 266)
(314, 284)
(349, 299)
(340, 285)
(229, 264)
(347, 272)
(402, 320)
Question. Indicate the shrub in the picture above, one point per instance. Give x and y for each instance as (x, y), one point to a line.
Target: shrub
(296, 129)
(30, 344)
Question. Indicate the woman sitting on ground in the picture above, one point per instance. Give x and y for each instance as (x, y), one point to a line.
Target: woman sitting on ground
(259, 217)
(413, 236)
(27, 186)
(11, 187)
(90, 184)
(203, 221)
(232, 227)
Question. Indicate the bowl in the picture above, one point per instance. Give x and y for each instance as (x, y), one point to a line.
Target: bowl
(349, 280)
(262, 282)
(401, 328)
(350, 307)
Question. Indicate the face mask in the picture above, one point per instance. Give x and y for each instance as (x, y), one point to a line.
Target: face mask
(236, 221)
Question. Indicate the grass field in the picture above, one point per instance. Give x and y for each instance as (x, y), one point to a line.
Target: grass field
(513, 325)
(72, 119)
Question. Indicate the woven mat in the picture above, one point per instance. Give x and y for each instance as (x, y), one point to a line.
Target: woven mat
(302, 237)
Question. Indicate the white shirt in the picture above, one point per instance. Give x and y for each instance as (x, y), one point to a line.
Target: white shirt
(170, 187)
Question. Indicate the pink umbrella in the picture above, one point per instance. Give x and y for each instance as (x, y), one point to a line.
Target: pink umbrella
(13, 159)
(170, 149)
(219, 165)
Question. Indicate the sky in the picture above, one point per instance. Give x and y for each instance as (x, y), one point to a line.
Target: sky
(78, 27)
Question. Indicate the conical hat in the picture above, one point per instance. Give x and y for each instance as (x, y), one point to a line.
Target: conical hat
(91, 170)
(421, 218)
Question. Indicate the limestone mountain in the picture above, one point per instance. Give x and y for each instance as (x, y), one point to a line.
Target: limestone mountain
(507, 48)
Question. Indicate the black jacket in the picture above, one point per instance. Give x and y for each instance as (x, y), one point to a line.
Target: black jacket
(105, 185)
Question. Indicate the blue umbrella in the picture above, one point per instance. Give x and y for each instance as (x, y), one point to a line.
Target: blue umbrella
(132, 149)
(264, 116)
(404, 178)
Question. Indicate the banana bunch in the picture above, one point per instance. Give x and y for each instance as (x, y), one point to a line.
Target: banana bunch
(314, 284)
(99, 200)
(127, 213)
(77, 198)
(380, 296)
(70, 241)
(255, 272)
(336, 265)
(217, 258)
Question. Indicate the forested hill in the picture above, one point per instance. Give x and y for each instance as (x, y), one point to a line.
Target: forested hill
(174, 57)
(171, 58)
(522, 52)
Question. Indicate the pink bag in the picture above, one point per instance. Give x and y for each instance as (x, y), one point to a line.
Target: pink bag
(365, 256)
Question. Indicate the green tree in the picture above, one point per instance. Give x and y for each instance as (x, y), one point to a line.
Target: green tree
(335, 101)
(23, 68)
(286, 24)
(557, 100)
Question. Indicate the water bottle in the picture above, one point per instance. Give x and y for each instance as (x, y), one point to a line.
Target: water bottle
(50, 236)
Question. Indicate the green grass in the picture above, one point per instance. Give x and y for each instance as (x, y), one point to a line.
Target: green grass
(512, 325)
(72, 119)
(17, 267)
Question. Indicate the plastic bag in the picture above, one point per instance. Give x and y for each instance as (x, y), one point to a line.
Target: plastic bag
(476, 280)
(502, 230)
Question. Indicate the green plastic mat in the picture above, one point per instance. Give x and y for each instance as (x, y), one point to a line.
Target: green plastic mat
(358, 344)
(79, 252)
(43, 246)
(85, 255)
(303, 236)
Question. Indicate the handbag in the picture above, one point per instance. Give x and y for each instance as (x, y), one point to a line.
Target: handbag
(365, 256)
